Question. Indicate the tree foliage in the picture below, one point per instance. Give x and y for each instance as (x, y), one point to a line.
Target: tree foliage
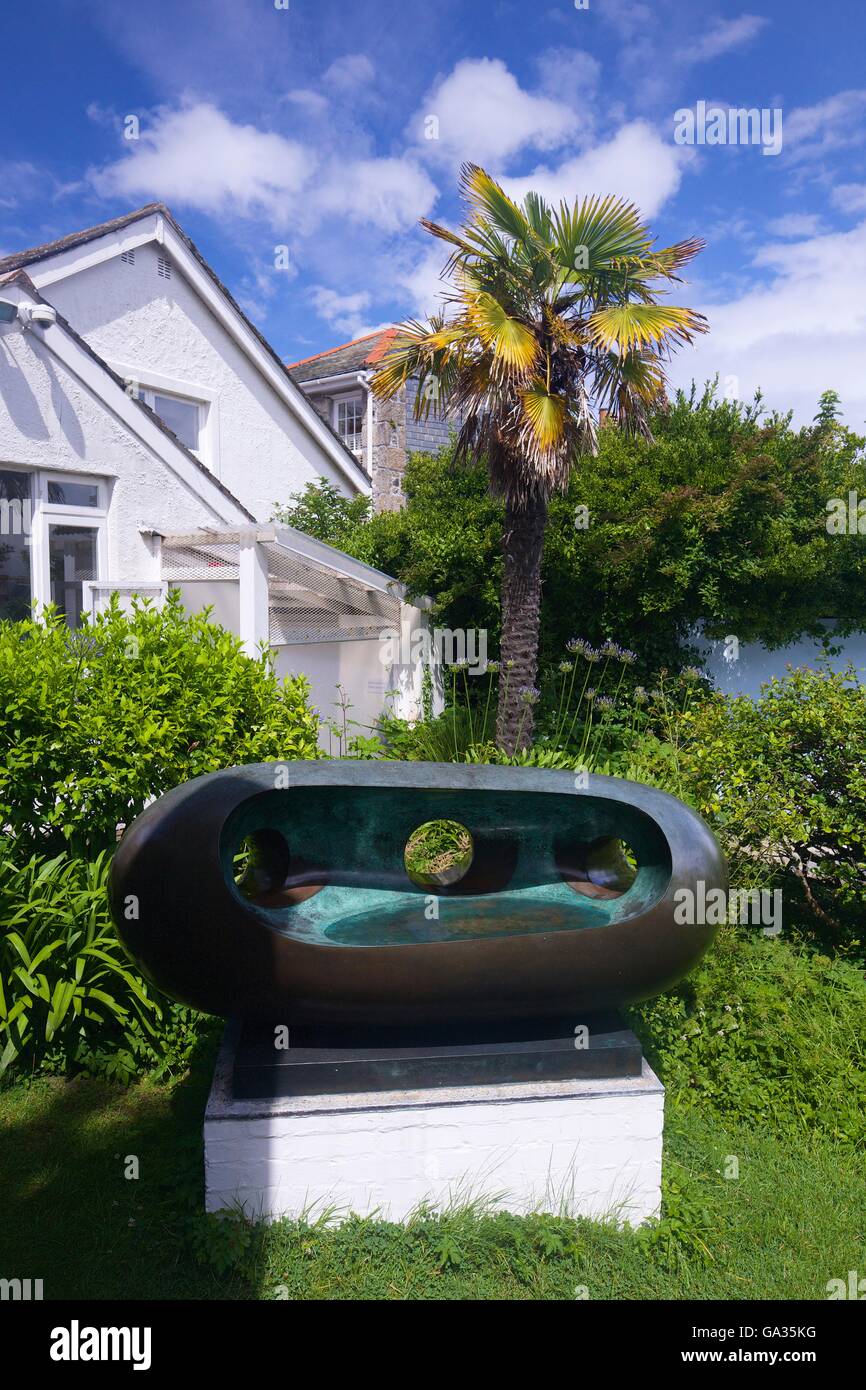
(721, 520)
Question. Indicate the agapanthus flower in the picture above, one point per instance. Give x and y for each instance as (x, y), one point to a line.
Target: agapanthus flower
(640, 695)
(628, 658)
(566, 666)
(576, 644)
(604, 702)
(529, 695)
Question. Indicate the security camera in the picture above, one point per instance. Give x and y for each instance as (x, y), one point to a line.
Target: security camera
(37, 313)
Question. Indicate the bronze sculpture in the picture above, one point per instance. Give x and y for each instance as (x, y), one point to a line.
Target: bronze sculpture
(326, 926)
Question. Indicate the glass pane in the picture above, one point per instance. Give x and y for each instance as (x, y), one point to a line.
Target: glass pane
(180, 416)
(349, 421)
(72, 559)
(15, 593)
(74, 494)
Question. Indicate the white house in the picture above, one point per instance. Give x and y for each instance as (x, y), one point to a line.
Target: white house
(147, 431)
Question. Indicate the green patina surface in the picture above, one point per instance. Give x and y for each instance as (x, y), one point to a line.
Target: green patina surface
(358, 835)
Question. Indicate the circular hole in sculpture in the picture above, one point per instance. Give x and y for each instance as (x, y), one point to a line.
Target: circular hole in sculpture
(438, 854)
(605, 868)
(265, 874)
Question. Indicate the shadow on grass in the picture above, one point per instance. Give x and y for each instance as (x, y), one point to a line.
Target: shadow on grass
(77, 1221)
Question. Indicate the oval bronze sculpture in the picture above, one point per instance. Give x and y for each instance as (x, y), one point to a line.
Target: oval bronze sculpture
(326, 926)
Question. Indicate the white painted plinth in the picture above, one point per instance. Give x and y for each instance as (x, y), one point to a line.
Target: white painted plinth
(586, 1148)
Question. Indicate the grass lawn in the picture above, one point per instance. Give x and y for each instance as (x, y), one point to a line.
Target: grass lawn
(794, 1218)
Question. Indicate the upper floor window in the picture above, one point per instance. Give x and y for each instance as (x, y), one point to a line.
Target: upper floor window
(350, 423)
(183, 416)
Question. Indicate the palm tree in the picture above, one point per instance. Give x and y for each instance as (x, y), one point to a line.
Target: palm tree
(551, 315)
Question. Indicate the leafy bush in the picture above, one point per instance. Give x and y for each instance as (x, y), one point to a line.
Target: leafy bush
(765, 1033)
(66, 985)
(93, 723)
(782, 780)
(321, 510)
(69, 998)
(721, 520)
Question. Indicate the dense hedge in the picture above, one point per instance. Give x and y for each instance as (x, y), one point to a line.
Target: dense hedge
(721, 519)
(95, 722)
(782, 780)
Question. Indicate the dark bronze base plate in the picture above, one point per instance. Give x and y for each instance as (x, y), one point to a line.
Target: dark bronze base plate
(339, 1061)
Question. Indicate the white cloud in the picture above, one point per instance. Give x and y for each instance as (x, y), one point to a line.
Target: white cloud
(723, 36)
(390, 194)
(835, 124)
(312, 102)
(796, 224)
(197, 157)
(352, 70)
(635, 164)
(343, 312)
(797, 333)
(485, 116)
(422, 280)
(568, 75)
(849, 197)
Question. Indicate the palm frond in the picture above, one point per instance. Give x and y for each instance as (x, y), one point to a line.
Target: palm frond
(630, 325)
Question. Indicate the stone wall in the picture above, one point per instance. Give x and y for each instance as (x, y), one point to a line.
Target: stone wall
(389, 452)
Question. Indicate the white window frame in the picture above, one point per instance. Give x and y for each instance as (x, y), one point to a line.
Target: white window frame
(46, 514)
(158, 384)
(349, 398)
(149, 394)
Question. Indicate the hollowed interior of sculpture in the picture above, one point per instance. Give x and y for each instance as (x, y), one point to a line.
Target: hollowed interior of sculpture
(374, 867)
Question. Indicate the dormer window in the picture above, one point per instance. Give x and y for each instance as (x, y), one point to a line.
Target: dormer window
(183, 416)
(349, 422)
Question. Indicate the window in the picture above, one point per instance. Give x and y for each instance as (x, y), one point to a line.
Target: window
(63, 494)
(350, 423)
(69, 539)
(71, 559)
(15, 520)
(182, 416)
(52, 541)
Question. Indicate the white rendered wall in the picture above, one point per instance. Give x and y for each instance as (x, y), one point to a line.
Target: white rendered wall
(359, 668)
(584, 1148)
(135, 319)
(49, 420)
(756, 665)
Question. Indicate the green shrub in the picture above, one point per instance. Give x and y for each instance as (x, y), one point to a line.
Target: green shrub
(70, 1000)
(66, 985)
(93, 723)
(721, 519)
(782, 780)
(765, 1033)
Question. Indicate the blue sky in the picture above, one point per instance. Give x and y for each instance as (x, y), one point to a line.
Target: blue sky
(308, 127)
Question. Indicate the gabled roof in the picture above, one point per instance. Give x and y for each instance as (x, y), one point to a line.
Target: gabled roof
(355, 356)
(61, 339)
(19, 259)
(165, 230)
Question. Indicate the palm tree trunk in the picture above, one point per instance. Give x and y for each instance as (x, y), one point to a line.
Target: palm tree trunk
(523, 542)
